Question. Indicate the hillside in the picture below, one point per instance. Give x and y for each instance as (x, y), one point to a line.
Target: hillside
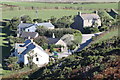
(93, 62)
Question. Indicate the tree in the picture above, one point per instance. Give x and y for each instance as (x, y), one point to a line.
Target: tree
(26, 19)
(105, 18)
(30, 58)
(41, 40)
(12, 63)
(38, 20)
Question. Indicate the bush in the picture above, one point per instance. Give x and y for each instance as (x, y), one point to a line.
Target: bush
(41, 40)
(59, 32)
(89, 30)
(16, 39)
(103, 28)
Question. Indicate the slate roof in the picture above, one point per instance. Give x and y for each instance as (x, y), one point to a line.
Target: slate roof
(89, 16)
(52, 40)
(27, 46)
(29, 34)
(46, 24)
(19, 48)
(26, 43)
(25, 25)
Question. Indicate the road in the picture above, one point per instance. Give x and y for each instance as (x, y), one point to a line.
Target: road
(86, 40)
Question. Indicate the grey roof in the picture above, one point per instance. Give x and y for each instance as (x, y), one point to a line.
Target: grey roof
(29, 34)
(19, 48)
(89, 16)
(52, 40)
(25, 25)
(46, 24)
(27, 46)
(67, 38)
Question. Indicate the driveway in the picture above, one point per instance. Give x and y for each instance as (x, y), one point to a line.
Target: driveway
(86, 40)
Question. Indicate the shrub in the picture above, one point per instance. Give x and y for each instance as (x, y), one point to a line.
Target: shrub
(89, 30)
(59, 32)
(103, 28)
(41, 40)
(16, 39)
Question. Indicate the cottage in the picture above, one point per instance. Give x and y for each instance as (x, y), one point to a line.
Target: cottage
(28, 27)
(30, 49)
(63, 41)
(86, 20)
(32, 35)
(25, 27)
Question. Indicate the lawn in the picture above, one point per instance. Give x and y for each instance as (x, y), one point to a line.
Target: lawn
(43, 14)
(90, 5)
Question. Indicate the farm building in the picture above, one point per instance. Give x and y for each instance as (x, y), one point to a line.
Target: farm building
(86, 20)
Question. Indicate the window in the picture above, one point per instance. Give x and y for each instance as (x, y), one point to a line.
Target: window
(37, 59)
(36, 55)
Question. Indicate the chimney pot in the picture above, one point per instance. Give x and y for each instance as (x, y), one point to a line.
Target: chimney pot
(49, 21)
(21, 21)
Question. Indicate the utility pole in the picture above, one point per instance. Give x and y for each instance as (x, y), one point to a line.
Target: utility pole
(36, 12)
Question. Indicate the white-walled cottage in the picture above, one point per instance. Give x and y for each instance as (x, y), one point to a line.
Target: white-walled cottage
(30, 49)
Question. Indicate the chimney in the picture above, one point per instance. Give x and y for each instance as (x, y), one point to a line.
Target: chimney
(29, 37)
(31, 40)
(21, 21)
(49, 21)
(36, 22)
(79, 13)
(53, 36)
(96, 12)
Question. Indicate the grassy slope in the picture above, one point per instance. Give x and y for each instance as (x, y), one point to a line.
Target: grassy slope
(103, 38)
(107, 35)
(97, 51)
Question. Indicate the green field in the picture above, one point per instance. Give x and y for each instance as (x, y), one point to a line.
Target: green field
(37, 4)
(43, 14)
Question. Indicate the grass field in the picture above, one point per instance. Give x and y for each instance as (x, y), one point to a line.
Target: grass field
(37, 4)
(47, 13)
(43, 14)
(108, 35)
